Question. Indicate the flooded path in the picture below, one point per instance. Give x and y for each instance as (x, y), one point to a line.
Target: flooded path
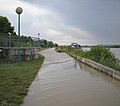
(62, 81)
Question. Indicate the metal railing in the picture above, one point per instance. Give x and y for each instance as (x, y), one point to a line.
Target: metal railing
(12, 41)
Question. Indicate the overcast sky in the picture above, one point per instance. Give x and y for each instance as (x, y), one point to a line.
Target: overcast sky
(86, 22)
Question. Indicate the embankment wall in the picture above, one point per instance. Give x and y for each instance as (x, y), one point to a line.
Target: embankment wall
(112, 72)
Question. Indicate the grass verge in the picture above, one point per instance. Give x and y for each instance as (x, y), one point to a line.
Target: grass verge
(15, 80)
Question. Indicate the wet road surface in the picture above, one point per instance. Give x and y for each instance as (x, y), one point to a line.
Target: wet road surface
(62, 81)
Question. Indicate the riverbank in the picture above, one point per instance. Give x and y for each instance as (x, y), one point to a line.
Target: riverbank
(15, 80)
(98, 54)
(99, 58)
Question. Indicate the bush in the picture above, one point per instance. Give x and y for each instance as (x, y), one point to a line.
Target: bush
(104, 56)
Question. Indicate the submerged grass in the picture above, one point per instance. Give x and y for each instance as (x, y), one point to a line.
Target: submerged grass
(15, 80)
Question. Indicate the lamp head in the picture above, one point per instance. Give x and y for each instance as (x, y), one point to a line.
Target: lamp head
(19, 10)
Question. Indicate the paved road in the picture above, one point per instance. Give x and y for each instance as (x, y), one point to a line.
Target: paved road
(64, 82)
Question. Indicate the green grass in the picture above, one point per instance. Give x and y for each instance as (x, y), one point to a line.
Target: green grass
(42, 48)
(15, 80)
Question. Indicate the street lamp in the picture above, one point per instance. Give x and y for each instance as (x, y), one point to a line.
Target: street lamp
(38, 35)
(19, 10)
(38, 39)
(9, 39)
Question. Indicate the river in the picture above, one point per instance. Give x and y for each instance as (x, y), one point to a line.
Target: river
(63, 81)
(116, 51)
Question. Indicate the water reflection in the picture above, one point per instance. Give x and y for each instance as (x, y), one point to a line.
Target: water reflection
(76, 65)
(98, 74)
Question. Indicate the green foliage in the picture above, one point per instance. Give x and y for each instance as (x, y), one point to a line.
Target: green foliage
(5, 26)
(112, 46)
(47, 44)
(103, 55)
(15, 80)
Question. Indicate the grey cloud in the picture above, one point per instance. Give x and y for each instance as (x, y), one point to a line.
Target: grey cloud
(100, 19)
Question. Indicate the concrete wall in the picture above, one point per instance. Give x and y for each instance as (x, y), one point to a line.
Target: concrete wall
(27, 53)
(112, 72)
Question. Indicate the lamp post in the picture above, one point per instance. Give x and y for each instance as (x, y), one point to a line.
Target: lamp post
(9, 39)
(38, 39)
(19, 10)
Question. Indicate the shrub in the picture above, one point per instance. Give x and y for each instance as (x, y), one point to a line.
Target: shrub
(104, 56)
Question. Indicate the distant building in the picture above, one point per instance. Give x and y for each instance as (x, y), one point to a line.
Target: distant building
(76, 46)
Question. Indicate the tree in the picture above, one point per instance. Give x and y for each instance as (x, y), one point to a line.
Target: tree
(5, 26)
(50, 44)
(55, 45)
(43, 43)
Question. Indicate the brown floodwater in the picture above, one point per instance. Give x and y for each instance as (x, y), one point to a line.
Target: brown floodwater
(62, 81)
